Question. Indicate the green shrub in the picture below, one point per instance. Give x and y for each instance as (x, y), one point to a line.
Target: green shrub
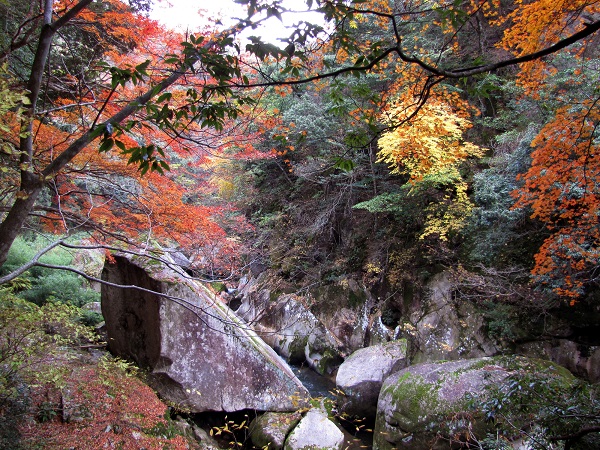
(90, 318)
(43, 285)
(59, 287)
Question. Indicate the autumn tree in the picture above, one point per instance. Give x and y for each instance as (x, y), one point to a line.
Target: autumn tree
(430, 149)
(562, 189)
(427, 54)
(81, 104)
(561, 186)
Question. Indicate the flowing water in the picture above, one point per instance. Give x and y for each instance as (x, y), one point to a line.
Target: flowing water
(317, 385)
(320, 386)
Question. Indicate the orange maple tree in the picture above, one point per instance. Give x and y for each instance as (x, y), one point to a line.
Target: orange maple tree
(133, 94)
(100, 189)
(562, 187)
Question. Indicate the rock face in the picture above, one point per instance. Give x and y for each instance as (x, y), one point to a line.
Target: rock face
(290, 328)
(315, 431)
(93, 307)
(431, 405)
(199, 353)
(344, 307)
(361, 376)
(331, 321)
(582, 360)
(447, 329)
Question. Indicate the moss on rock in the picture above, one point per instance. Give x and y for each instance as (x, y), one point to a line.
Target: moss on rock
(428, 406)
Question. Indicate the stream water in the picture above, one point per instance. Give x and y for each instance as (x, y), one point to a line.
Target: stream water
(320, 386)
(317, 385)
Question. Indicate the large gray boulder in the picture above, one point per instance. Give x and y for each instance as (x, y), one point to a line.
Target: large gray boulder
(361, 376)
(315, 431)
(200, 355)
(440, 405)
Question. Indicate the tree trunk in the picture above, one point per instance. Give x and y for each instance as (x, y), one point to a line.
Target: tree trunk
(12, 224)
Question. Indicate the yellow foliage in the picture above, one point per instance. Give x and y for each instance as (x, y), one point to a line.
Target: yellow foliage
(226, 189)
(443, 221)
(428, 144)
(429, 148)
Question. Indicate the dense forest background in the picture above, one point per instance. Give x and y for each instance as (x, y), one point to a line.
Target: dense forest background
(388, 143)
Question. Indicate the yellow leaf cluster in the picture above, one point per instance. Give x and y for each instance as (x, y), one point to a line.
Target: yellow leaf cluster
(428, 144)
(448, 217)
(429, 147)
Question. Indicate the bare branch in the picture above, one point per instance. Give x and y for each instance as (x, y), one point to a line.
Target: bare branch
(34, 262)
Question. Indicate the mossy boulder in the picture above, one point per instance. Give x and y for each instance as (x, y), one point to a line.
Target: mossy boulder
(443, 405)
(293, 348)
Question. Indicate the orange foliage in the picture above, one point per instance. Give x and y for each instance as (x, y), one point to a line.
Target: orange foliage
(100, 192)
(563, 189)
(535, 25)
(563, 184)
(103, 193)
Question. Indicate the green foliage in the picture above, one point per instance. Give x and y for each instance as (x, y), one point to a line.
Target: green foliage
(561, 408)
(32, 341)
(219, 286)
(43, 285)
(112, 365)
(502, 320)
(389, 202)
(47, 412)
(165, 429)
(437, 205)
(57, 286)
(496, 229)
(61, 287)
(14, 391)
(9, 100)
(29, 337)
(90, 318)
